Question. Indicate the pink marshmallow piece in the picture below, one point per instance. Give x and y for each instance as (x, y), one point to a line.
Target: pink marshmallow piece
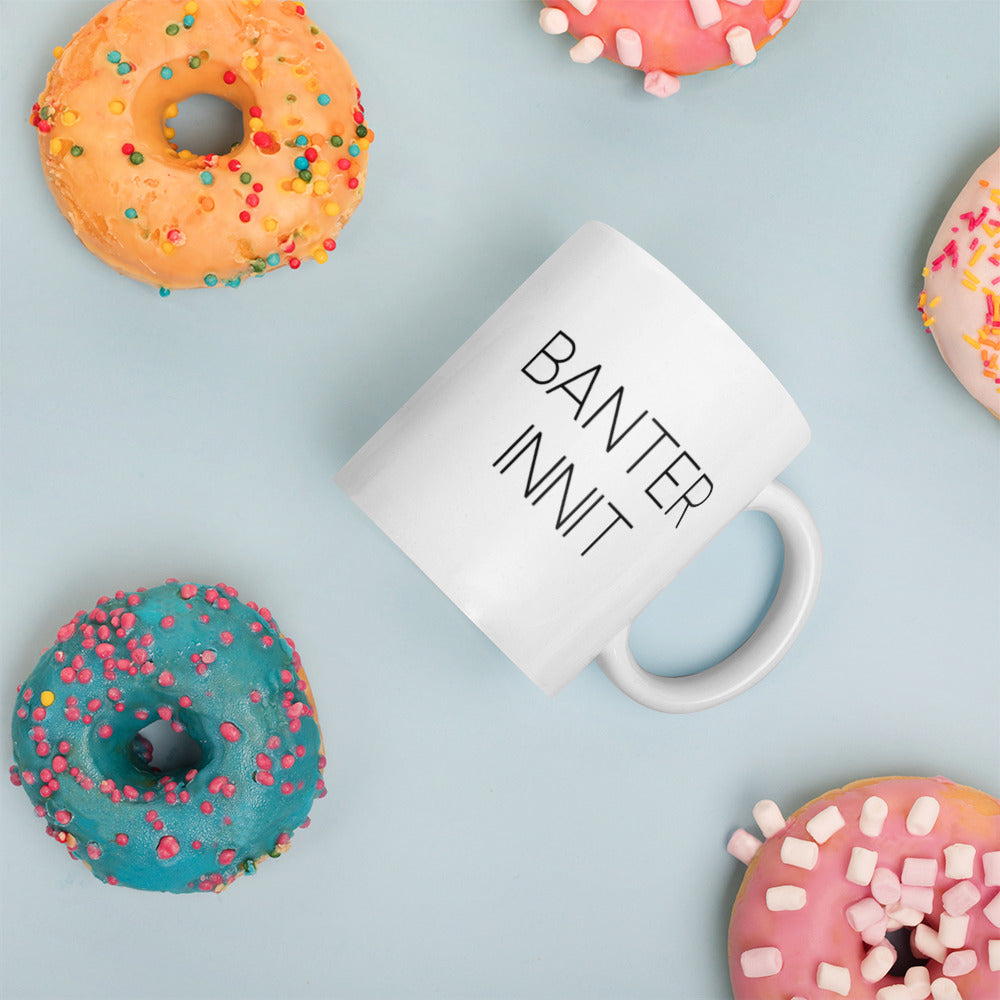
(863, 914)
(917, 897)
(959, 963)
(743, 846)
(919, 871)
(757, 963)
(960, 898)
(628, 44)
(875, 934)
(885, 886)
(992, 910)
(991, 867)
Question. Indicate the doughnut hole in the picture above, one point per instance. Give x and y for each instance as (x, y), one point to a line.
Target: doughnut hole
(205, 125)
(905, 959)
(165, 751)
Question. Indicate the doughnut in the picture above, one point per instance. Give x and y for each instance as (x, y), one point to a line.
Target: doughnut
(221, 675)
(178, 218)
(667, 39)
(886, 889)
(960, 300)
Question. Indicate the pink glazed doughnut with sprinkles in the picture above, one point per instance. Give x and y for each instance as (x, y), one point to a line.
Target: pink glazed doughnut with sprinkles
(177, 219)
(887, 889)
(218, 674)
(667, 39)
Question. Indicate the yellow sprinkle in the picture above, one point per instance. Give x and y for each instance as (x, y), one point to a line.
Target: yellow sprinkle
(969, 340)
(935, 301)
(47, 697)
(167, 247)
(995, 195)
(57, 51)
(171, 111)
(55, 146)
(70, 118)
(169, 133)
(320, 256)
(190, 7)
(980, 250)
(331, 208)
(971, 281)
(321, 167)
(299, 185)
(363, 143)
(300, 70)
(71, 841)
(321, 187)
(250, 61)
(116, 107)
(186, 154)
(256, 124)
(270, 224)
(928, 321)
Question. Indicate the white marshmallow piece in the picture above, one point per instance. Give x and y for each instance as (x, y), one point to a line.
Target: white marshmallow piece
(706, 12)
(553, 21)
(861, 867)
(885, 886)
(863, 914)
(825, 824)
(785, 897)
(799, 853)
(953, 931)
(585, 7)
(877, 963)
(757, 963)
(944, 989)
(741, 48)
(834, 978)
(898, 991)
(743, 846)
(958, 860)
(919, 871)
(873, 814)
(922, 816)
(960, 963)
(660, 84)
(628, 45)
(768, 817)
(991, 868)
(924, 941)
(918, 981)
(992, 910)
(903, 916)
(993, 951)
(589, 48)
(960, 898)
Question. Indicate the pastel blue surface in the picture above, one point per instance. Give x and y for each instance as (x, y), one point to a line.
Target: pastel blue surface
(480, 840)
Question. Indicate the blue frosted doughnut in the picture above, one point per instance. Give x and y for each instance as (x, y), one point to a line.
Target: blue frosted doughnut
(213, 668)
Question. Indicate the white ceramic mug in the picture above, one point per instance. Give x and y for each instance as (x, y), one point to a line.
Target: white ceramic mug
(576, 453)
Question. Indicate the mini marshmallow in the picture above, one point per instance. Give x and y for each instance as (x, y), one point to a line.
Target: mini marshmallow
(991, 868)
(953, 930)
(585, 7)
(875, 934)
(743, 846)
(960, 963)
(919, 871)
(861, 867)
(917, 897)
(553, 21)
(863, 913)
(924, 941)
(757, 963)
(660, 84)
(898, 991)
(834, 978)
(741, 48)
(992, 910)
(706, 12)
(945, 989)
(785, 897)
(768, 817)
(885, 886)
(877, 963)
(918, 981)
(958, 859)
(873, 814)
(589, 48)
(628, 44)
(800, 853)
(994, 955)
(825, 824)
(903, 916)
(960, 898)
(922, 816)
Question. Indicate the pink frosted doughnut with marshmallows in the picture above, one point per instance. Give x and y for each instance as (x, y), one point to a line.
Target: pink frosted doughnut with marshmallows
(667, 39)
(886, 889)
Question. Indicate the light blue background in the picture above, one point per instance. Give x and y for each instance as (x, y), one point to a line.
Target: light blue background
(480, 840)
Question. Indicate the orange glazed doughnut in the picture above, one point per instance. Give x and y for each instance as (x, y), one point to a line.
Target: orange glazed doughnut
(886, 889)
(170, 217)
(667, 39)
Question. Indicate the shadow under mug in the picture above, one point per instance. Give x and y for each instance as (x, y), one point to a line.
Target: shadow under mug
(564, 465)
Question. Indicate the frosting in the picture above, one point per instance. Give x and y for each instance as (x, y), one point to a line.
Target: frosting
(667, 39)
(172, 217)
(215, 669)
(960, 300)
(894, 864)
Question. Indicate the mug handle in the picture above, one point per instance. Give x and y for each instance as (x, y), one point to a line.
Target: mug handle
(744, 667)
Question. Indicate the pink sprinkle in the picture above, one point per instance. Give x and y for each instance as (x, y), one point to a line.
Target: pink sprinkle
(226, 638)
(206, 807)
(93, 851)
(63, 816)
(166, 679)
(184, 701)
(121, 839)
(104, 731)
(287, 760)
(167, 621)
(273, 743)
(167, 847)
(59, 764)
(215, 785)
(960, 963)
(264, 761)
(287, 788)
(229, 732)
(208, 656)
(226, 856)
(65, 632)
(189, 589)
(263, 777)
